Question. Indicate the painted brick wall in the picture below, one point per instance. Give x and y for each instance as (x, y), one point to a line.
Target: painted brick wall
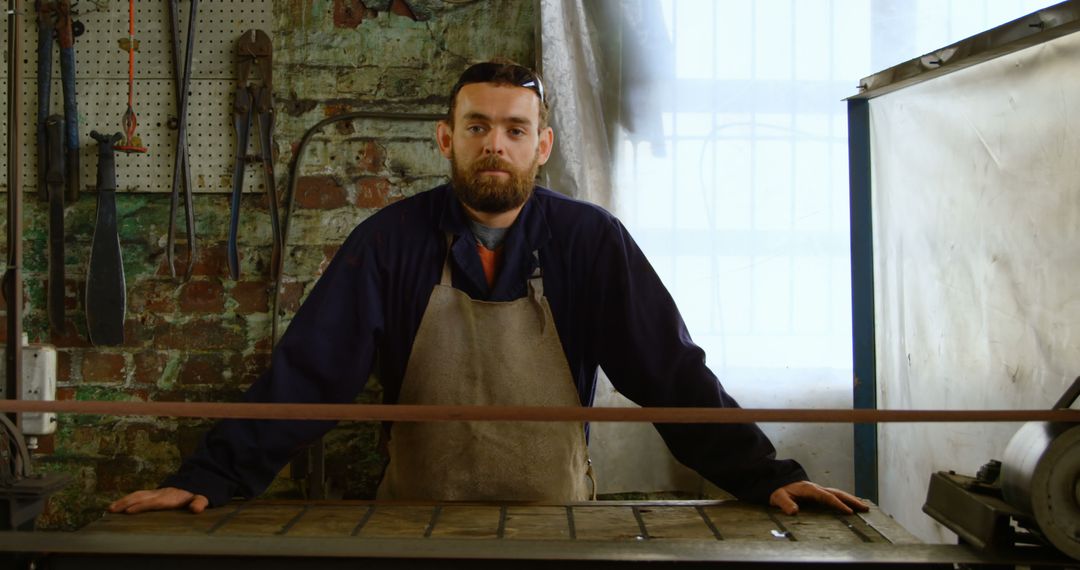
(208, 338)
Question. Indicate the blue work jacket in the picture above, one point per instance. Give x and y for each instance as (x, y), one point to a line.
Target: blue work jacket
(610, 308)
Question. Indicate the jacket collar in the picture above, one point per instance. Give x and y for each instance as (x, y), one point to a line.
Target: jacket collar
(529, 233)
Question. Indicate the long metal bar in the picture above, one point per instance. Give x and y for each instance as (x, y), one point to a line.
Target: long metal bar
(864, 356)
(400, 412)
(12, 282)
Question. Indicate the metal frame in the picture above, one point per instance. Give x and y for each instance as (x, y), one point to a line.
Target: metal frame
(1035, 28)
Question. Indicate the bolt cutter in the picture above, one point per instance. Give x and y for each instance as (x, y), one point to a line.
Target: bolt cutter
(254, 49)
(55, 24)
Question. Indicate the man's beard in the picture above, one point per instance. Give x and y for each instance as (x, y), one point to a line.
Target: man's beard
(492, 194)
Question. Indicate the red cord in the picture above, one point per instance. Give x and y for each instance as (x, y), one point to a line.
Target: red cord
(131, 143)
(131, 53)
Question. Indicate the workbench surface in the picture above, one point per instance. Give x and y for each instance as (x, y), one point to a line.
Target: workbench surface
(400, 535)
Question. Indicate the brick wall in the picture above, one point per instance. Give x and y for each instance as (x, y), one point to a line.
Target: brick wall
(208, 338)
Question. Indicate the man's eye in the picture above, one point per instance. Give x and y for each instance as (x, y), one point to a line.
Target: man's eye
(518, 132)
(475, 129)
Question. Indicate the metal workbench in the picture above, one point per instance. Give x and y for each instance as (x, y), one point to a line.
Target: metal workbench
(355, 534)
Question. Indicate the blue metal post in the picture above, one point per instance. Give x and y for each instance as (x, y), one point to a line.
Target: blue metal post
(862, 295)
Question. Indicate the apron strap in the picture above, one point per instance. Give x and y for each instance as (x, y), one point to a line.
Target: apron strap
(446, 261)
(536, 291)
(591, 475)
(536, 280)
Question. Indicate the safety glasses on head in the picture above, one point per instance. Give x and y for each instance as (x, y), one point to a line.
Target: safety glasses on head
(495, 72)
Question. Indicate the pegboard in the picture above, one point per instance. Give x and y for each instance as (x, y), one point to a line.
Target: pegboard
(101, 87)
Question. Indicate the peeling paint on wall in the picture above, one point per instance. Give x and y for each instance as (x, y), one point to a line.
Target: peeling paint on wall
(207, 339)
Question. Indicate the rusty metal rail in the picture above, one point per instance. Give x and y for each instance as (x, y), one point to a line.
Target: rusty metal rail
(390, 412)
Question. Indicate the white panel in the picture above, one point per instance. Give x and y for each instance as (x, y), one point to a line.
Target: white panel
(38, 385)
(102, 89)
(977, 234)
(39, 371)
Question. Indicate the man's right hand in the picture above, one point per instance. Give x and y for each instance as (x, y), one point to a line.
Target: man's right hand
(159, 500)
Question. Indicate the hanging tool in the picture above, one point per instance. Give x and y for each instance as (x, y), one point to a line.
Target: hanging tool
(54, 179)
(254, 49)
(181, 165)
(264, 108)
(54, 24)
(106, 296)
(131, 143)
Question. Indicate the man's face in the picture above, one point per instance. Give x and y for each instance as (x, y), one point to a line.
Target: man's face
(495, 146)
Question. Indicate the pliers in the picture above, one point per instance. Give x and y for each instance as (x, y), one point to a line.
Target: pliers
(54, 22)
(254, 49)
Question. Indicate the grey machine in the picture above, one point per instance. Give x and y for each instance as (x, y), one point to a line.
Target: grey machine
(1030, 498)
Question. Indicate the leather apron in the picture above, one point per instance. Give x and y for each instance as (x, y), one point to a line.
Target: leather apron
(470, 352)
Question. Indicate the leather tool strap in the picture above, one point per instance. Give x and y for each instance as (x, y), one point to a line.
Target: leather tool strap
(54, 175)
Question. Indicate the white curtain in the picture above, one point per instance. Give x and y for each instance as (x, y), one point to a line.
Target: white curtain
(594, 102)
(573, 68)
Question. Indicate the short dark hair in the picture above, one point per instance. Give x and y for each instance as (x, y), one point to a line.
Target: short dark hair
(501, 72)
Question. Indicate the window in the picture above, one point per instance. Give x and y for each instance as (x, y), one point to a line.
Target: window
(744, 211)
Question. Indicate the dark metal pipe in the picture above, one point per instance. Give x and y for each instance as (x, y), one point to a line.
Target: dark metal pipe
(317, 476)
(13, 282)
(294, 176)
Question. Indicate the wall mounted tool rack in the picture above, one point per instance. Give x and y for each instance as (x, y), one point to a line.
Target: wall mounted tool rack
(101, 83)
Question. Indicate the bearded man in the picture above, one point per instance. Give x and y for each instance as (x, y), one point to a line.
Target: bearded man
(488, 291)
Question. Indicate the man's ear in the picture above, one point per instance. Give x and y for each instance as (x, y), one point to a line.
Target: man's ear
(444, 136)
(547, 143)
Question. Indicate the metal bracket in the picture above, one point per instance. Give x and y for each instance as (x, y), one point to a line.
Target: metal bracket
(1069, 397)
(22, 494)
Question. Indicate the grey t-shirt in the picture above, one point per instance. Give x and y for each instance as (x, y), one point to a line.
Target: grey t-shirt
(491, 238)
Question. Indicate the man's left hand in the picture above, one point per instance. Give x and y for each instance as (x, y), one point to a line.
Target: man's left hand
(789, 496)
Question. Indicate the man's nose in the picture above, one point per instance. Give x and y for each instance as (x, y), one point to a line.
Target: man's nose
(494, 143)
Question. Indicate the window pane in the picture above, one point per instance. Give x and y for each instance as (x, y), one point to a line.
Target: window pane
(746, 218)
